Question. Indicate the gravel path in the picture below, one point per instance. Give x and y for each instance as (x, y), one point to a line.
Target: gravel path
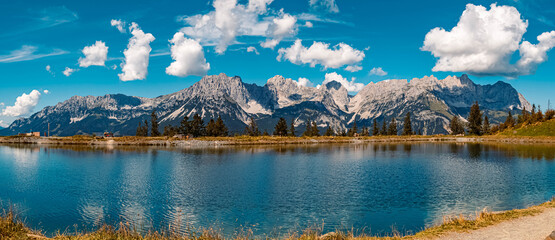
(536, 227)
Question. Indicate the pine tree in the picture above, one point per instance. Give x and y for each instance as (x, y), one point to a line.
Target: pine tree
(523, 117)
(281, 128)
(475, 120)
(292, 132)
(353, 130)
(456, 126)
(392, 130)
(375, 128)
(221, 128)
(407, 126)
(154, 131)
(384, 128)
(486, 127)
(169, 131)
(510, 121)
(315, 130)
(265, 133)
(539, 115)
(343, 133)
(197, 126)
(549, 114)
(533, 113)
(139, 132)
(211, 128)
(145, 129)
(252, 129)
(365, 132)
(185, 126)
(308, 130)
(329, 132)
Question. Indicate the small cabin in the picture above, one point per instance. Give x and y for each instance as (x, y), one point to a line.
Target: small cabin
(30, 134)
(108, 134)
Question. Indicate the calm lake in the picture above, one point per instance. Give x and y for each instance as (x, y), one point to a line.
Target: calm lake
(271, 189)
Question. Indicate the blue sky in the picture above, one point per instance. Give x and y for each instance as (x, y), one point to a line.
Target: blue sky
(376, 34)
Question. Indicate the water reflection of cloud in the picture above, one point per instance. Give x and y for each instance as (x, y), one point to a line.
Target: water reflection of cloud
(24, 157)
(93, 214)
(135, 214)
(25, 163)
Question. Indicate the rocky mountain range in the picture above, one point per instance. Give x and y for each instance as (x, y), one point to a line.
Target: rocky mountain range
(432, 103)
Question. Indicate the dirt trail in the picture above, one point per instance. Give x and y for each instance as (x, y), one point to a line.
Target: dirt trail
(536, 227)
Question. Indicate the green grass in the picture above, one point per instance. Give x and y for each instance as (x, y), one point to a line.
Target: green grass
(535, 130)
(11, 227)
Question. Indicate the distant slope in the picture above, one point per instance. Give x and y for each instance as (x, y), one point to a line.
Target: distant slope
(534, 130)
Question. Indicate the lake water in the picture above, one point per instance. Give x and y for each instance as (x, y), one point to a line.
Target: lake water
(272, 190)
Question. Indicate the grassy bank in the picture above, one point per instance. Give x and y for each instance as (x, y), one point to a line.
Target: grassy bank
(265, 140)
(534, 130)
(11, 227)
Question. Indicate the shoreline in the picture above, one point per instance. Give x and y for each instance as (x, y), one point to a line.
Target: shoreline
(265, 140)
(483, 224)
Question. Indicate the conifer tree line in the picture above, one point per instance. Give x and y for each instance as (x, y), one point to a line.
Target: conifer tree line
(196, 128)
(478, 125)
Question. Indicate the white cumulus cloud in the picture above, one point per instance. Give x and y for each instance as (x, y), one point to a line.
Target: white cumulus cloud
(119, 24)
(48, 69)
(230, 20)
(95, 55)
(378, 71)
(68, 71)
(253, 50)
(281, 27)
(321, 54)
(259, 6)
(188, 56)
(351, 86)
(135, 66)
(328, 5)
(308, 24)
(4, 125)
(484, 41)
(24, 104)
(225, 20)
(353, 68)
(531, 55)
(304, 82)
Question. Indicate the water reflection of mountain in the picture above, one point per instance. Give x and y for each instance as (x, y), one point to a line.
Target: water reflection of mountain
(536, 151)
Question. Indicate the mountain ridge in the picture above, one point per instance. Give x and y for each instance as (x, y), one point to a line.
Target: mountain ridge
(431, 101)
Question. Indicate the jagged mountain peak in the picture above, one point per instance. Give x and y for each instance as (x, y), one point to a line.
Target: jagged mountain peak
(432, 101)
(282, 83)
(334, 85)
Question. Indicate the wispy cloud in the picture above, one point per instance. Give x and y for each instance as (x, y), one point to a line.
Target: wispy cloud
(27, 53)
(40, 19)
(318, 18)
(328, 5)
(54, 16)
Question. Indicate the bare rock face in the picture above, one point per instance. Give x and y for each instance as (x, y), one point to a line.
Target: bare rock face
(432, 103)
